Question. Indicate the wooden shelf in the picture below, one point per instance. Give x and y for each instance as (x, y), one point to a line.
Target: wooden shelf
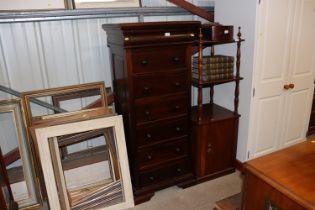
(211, 113)
(206, 42)
(196, 83)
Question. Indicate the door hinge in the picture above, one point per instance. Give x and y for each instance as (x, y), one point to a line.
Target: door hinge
(253, 92)
(248, 154)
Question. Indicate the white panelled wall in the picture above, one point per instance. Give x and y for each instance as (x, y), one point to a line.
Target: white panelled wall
(47, 54)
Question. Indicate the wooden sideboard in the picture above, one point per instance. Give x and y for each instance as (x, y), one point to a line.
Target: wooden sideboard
(283, 180)
(151, 65)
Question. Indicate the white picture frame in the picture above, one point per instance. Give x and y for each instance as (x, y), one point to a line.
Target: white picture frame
(45, 136)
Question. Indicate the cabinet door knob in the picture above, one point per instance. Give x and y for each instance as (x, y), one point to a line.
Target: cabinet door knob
(177, 107)
(178, 129)
(179, 170)
(144, 62)
(149, 157)
(147, 113)
(291, 86)
(177, 149)
(151, 178)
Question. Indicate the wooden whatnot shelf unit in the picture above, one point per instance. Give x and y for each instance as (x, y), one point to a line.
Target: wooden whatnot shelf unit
(215, 128)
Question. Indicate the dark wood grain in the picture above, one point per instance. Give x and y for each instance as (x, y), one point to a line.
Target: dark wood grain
(152, 75)
(214, 128)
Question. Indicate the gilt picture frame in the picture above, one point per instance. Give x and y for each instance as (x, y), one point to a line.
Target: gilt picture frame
(13, 108)
(45, 138)
(98, 87)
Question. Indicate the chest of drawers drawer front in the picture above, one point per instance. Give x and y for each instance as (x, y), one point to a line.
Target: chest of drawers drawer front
(177, 169)
(159, 84)
(162, 108)
(169, 129)
(158, 58)
(162, 153)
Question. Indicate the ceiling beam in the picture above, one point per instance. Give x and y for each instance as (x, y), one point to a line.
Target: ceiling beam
(193, 9)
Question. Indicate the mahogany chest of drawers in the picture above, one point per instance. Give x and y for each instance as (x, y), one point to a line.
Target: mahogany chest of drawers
(151, 65)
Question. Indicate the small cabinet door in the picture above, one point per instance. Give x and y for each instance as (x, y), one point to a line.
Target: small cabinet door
(216, 142)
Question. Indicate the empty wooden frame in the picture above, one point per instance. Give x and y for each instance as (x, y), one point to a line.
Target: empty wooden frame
(49, 94)
(59, 196)
(17, 150)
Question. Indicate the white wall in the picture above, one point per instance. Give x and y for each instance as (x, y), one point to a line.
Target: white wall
(38, 55)
(238, 13)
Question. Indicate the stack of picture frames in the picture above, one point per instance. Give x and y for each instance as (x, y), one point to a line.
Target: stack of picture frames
(82, 152)
(78, 146)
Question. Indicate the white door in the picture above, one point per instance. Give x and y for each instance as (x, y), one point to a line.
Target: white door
(276, 115)
(301, 71)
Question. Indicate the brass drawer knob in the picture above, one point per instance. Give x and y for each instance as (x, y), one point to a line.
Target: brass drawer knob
(179, 170)
(147, 113)
(151, 178)
(178, 129)
(149, 157)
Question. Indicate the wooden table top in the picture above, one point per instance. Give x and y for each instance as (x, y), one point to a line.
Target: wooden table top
(291, 171)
